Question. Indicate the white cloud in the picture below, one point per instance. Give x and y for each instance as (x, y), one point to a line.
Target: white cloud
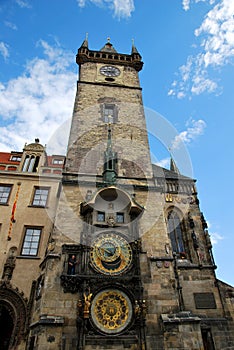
(215, 237)
(4, 50)
(194, 79)
(195, 129)
(186, 3)
(10, 25)
(23, 4)
(164, 163)
(81, 3)
(218, 30)
(37, 102)
(121, 8)
(216, 49)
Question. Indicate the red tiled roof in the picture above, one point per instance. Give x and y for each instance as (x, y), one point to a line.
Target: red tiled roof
(50, 161)
(5, 158)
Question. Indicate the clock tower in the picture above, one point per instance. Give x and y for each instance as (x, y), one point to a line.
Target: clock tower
(108, 155)
(108, 92)
(129, 262)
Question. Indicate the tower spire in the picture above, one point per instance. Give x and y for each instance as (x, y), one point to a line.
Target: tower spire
(173, 166)
(134, 49)
(85, 42)
(110, 160)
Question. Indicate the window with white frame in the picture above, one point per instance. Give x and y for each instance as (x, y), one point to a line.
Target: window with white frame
(31, 241)
(16, 158)
(58, 161)
(5, 191)
(40, 196)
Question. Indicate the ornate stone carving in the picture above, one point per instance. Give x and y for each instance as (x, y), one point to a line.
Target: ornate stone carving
(71, 284)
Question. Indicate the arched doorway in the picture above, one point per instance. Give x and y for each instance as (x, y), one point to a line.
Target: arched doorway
(6, 327)
(13, 316)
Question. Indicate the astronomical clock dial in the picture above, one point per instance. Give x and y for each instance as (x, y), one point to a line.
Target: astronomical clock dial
(111, 254)
(109, 71)
(111, 311)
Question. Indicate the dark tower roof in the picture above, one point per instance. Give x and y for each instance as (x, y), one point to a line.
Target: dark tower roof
(134, 49)
(108, 47)
(85, 42)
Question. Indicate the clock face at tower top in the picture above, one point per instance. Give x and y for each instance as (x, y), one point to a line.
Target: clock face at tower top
(109, 71)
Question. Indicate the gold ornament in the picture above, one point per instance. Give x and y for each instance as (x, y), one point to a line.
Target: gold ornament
(111, 254)
(111, 311)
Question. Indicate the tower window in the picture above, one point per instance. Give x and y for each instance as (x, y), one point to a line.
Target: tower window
(40, 196)
(120, 218)
(100, 216)
(31, 241)
(175, 232)
(109, 113)
(5, 191)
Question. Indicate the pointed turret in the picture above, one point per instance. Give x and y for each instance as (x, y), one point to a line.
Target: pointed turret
(85, 42)
(173, 166)
(134, 49)
(136, 57)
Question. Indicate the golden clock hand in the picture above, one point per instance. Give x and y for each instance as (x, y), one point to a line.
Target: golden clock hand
(107, 251)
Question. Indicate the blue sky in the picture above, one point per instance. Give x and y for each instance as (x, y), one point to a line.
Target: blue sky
(188, 50)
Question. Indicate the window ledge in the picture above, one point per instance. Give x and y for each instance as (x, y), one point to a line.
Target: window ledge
(28, 257)
(161, 258)
(6, 204)
(38, 206)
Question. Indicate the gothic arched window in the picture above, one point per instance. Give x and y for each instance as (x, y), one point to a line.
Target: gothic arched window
(175, 232)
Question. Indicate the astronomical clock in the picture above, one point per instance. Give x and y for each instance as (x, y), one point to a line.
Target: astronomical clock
(107, 279)
(111, 254)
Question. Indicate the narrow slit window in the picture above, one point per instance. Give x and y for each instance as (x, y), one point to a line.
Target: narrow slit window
(175, 232)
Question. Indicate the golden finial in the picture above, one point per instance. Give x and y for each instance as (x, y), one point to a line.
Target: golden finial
(86, 36)
(133, 42)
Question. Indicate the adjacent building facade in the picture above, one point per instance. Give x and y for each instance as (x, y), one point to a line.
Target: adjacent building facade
(104, 250)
